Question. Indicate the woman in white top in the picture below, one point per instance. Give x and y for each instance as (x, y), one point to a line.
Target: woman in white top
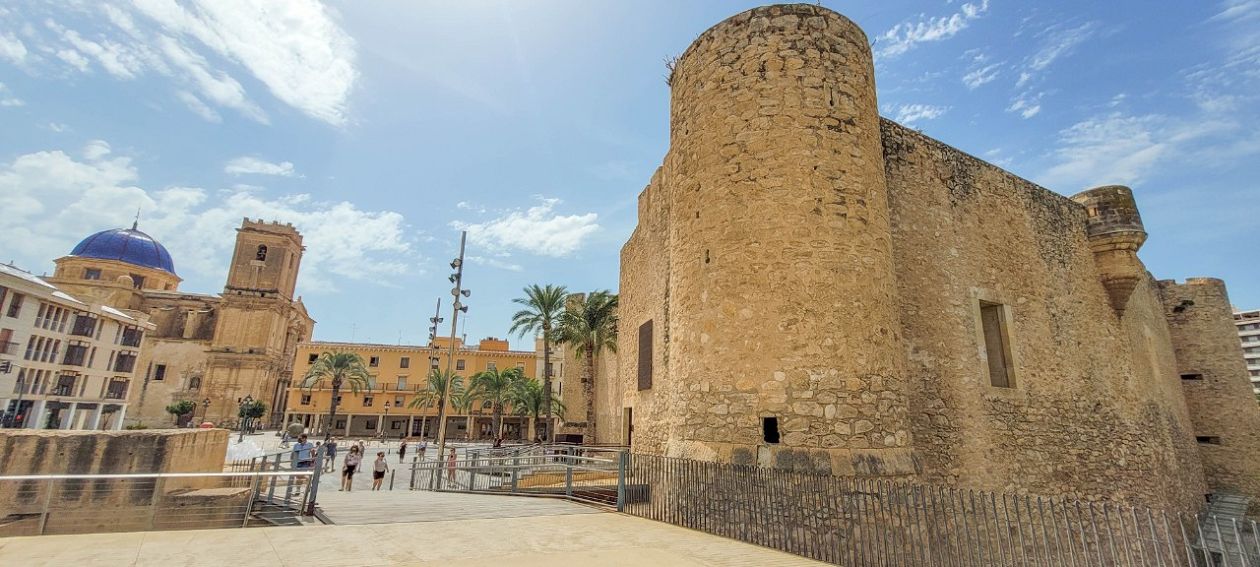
(378, 470)
(353, 458)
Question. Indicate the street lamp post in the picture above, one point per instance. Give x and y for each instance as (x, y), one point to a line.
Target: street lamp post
(248, 401)
(380, 430)
(458, 292)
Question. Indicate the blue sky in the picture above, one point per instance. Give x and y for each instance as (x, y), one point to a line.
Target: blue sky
(381, 128)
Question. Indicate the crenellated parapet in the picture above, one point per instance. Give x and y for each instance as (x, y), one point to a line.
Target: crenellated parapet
(1115, 232)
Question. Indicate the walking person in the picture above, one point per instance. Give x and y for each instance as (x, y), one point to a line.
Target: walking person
(330, 450)
(303, 455)
(378, 470)
(450, 466)
(353, 458)
(423, 445)
(402, 450)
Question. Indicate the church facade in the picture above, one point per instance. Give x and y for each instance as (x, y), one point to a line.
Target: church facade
(211, 349)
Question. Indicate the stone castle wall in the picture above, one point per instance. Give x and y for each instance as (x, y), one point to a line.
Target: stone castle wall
(1216, 385)
(802, 259)
(1095, 409)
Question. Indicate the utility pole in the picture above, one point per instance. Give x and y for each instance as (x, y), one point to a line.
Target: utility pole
(458, 279)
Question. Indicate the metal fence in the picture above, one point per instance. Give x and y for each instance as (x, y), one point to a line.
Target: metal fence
(92, 503)
(872, 522)
(585, 474)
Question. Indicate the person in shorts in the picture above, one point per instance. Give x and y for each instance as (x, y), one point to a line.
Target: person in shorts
(353, 458)
(378, 470)
(402, 450)
(330, 452)
(303, 454)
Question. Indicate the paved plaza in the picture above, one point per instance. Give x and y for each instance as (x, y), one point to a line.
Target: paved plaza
(606, 539)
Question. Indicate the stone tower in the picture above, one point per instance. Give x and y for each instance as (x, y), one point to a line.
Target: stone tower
(1215, 382)
(1115, 234)
(266, 259)
(780, 299)
(259, 322)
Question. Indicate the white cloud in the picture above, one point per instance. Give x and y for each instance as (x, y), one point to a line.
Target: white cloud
(1027, 104)
(910, 113)
(981, 76)
(1112, 148)
(537, 230)
(58, 127)
(295, 49)
(198, 107)
(1060, 43)
(7, 98)
(12, 48)
(1238, 10)
(247, 165)
(96, 149)
(74, 59)
(51, 200)
(496, 263)
(904, 36)
(465, 205)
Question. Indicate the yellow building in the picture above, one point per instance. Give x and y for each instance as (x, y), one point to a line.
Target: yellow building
(398, 371)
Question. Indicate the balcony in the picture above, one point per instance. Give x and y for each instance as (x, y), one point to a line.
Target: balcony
(8, 347)
(116, 393)
(83, 326)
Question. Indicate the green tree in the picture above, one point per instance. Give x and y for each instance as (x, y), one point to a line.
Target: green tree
(543, 307)
(496, 387)
(431, 394)
(340, 369)
(463, 402)
(181, 408)
(527, 400)
(589, 325)
(252, 411)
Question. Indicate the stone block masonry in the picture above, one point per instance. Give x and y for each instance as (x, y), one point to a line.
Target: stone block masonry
(830, 291)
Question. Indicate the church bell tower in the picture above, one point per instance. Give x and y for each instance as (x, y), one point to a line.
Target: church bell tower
(266, 260)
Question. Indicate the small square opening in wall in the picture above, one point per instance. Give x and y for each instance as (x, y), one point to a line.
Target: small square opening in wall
(1191, 376)
(1207, 439)
(770, 429)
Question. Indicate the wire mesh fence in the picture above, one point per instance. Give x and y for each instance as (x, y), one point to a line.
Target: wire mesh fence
(878, 522)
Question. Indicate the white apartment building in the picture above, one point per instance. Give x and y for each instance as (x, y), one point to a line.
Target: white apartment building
(1248, 323)
(64, 363)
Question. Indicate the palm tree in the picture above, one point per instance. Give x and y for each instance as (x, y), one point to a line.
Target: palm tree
(463, 402)
(527, 401)
(589, 325)
(340, 368)
(432, 393)
(496, 387)
(543, 306)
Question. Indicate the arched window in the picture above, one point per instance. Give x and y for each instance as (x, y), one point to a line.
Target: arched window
(262, 253)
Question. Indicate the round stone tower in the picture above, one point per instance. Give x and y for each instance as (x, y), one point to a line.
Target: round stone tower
(1115, 234)
(781, 298)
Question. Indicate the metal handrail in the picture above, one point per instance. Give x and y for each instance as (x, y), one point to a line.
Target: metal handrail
(152, 475)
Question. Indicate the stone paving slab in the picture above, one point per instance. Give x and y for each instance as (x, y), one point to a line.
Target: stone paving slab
(608, 539)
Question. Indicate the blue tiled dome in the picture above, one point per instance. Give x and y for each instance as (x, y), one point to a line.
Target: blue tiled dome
(126, 245)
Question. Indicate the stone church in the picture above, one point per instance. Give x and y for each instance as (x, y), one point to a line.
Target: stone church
(814, 287)
(219, 348)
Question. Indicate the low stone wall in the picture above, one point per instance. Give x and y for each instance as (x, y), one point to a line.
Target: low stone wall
(118, 504)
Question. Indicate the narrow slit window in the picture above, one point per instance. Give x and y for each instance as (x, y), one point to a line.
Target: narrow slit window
(1208, 439)
(645, 356)
(1192, 376)
(997, 344)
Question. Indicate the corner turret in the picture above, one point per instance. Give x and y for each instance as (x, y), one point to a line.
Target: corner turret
(1115, 234)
